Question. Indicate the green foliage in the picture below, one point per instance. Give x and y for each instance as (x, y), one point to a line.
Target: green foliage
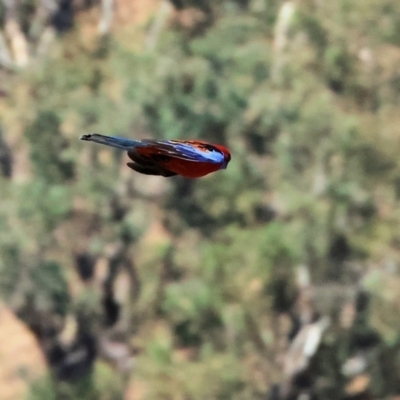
(213, 376)
(45, 206)
(49, 288)
(87, 310)
(103, 384)
(47, 147)
(42, 389)
(42, 287)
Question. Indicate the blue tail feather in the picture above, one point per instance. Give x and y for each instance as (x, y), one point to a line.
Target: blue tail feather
(113, 141)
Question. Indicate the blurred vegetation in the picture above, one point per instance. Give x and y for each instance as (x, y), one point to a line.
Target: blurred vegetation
(155, 288)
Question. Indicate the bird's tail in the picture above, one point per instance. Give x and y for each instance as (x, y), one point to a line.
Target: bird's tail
(113, 141)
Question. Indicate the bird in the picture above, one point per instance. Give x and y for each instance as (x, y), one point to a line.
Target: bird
(187, 158)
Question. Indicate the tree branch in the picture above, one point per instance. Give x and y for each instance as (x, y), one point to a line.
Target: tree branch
(107, 11)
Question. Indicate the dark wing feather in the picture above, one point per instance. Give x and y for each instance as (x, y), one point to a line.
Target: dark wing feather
(147, 166)
(150, 170)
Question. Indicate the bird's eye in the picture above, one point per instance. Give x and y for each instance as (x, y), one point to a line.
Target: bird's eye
(209, 147)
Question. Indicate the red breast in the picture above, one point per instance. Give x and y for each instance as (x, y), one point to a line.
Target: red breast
(191, 169)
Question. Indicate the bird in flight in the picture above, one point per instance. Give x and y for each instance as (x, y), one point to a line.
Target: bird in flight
(188, 158)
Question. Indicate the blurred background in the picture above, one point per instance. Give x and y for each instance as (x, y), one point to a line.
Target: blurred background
(275, 279)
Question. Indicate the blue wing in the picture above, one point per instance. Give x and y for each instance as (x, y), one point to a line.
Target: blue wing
(186, 150)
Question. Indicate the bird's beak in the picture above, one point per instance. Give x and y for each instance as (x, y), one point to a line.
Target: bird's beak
(224, 165)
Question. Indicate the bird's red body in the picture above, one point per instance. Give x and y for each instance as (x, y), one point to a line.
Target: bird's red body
(188, 158)
(183, 167)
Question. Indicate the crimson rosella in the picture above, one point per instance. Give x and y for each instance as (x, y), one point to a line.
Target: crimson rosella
(188, 158)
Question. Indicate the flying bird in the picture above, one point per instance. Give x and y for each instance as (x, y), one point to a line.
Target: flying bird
(187, 158)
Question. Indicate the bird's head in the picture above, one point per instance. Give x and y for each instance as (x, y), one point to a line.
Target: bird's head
(226, 153)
